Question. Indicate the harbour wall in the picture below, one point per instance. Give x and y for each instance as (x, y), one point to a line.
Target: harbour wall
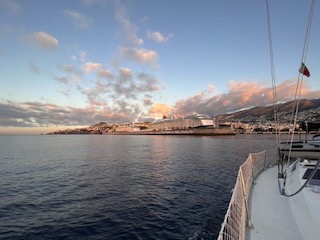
(194, 131)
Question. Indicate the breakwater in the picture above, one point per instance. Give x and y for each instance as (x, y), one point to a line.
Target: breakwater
(194, 131)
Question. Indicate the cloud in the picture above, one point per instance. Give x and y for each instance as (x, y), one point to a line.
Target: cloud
(130, 30)
(83, 56)
(92, 67)
(104, 73)
(159, 37)
(95, 95)
(72, 75)
(44, 40)
(143, 56)
(95, 2)
(69, 68)
(10, 6)
(36, 114)
(211, 88)
(147, 83)
(121, 91)
(34, 68)
(241, 95)
(158, 110)
(61, 79)
(5, 30)
(132, 49)
(80, 20)
(147, 101)
(128, 96)
(125, 75)
(131, 85)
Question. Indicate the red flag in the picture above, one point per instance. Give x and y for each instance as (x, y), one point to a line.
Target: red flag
(304, 70)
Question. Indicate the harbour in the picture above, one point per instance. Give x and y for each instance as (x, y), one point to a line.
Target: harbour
(196, 124)
(119, 187)
(190, 132)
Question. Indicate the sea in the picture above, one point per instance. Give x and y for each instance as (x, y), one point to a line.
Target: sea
(121, 186)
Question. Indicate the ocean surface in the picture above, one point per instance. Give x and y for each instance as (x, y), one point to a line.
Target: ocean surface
(119, 187)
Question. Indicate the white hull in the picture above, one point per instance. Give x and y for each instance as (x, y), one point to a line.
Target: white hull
(310, 150)
(265, 210)
(275, 216)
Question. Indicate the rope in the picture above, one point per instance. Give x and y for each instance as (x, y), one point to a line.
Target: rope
(306, 182)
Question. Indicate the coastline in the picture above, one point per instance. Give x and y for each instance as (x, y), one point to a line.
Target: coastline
(193, 131)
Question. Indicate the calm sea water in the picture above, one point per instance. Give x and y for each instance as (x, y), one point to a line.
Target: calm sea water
(119, 187)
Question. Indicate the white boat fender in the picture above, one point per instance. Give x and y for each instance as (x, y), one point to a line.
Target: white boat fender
(304, 162)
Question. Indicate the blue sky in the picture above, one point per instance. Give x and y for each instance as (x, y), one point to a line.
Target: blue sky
(75, 63)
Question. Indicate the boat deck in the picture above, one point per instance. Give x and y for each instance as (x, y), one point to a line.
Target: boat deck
(271, 216)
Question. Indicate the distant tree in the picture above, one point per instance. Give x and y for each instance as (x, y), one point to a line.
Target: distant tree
(259, 129)
(284, 130)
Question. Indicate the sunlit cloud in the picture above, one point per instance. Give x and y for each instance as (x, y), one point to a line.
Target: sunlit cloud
(92, 67)
(159, 37)
(80, 20)
(147, 102)
(142, 56)
(211, 88)
(125, 75)
(123, 90)
(241, 95)
(130, 30)
(129, 97)
(104, 73)
(159, 110)
(191, 104)
(44, 40)
(36, 114)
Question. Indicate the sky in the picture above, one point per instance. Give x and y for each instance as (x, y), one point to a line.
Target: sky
(67, 64)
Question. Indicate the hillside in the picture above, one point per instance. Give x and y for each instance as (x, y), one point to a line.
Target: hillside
(308, 110)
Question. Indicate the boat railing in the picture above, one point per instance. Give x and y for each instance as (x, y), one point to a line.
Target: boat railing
(237, 217)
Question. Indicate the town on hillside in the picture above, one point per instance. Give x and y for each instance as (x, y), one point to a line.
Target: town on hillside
(246, 126)
(254, 120)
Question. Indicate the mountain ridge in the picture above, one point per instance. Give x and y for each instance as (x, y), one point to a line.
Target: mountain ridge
(309, 109)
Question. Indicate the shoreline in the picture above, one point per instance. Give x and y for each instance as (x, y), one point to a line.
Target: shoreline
(194, 131)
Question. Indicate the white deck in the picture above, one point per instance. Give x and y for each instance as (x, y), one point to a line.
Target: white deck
(270, 212)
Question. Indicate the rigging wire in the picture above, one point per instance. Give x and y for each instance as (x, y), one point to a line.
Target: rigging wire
(295, 110)
(274, 92)
(294, 114)
(273, 76)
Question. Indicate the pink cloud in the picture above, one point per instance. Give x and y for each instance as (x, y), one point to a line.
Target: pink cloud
(141, 55)
(241, 95)
(44, 40)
